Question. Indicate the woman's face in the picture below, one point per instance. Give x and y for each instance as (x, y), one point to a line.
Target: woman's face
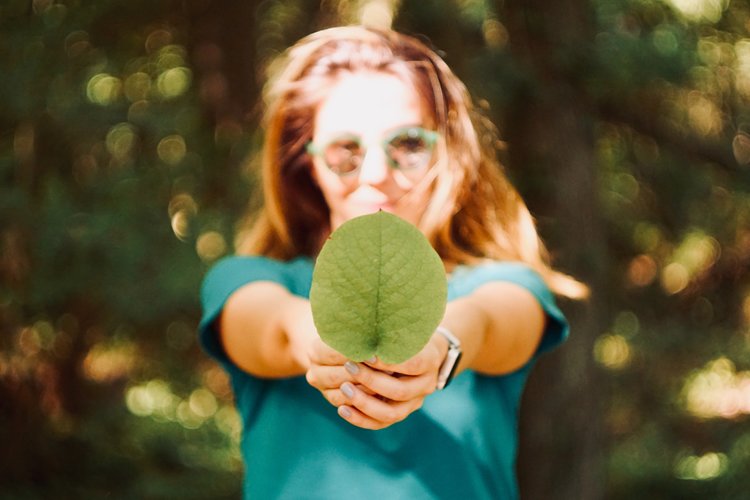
(371, 127)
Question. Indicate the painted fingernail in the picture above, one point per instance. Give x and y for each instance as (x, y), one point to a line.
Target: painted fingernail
(348, 390)
(345, 412)
(351, 367)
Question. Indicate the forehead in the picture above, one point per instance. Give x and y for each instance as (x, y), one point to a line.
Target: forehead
(368, 103)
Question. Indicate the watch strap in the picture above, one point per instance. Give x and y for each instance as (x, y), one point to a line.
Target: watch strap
(452, 357)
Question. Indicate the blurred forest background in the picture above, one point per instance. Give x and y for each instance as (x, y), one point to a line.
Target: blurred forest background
(127, 135)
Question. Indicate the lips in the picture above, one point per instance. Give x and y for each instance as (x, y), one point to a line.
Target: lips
(366, 200)
(373, 203)
(370, 207)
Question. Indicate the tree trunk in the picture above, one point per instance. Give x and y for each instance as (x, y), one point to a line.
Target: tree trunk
(222, 48)
(551, 140)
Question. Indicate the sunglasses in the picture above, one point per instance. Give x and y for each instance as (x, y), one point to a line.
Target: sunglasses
(407, 149)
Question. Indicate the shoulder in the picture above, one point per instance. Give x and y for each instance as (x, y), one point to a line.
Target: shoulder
(465, 279)
(231, 273)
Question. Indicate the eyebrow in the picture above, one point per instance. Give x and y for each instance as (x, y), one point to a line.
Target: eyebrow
(347, 133)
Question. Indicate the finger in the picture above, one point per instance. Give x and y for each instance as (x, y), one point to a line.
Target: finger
(327, 377)
(426, 360)
(359, 419)
(336, 397)
(397, 388)
(320, 353)
(387, 412)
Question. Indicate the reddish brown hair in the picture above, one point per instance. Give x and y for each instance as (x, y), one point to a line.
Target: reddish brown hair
(474, 213)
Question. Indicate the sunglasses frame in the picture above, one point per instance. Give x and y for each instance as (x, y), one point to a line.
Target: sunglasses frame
(429, 136)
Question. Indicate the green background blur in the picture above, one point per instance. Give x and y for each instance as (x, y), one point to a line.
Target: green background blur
(128, 135)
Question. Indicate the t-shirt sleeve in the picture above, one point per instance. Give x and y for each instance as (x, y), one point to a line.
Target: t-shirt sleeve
(556, 329)
(223, 280)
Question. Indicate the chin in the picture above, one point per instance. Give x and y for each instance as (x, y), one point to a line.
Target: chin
(359, 210)
(370, 209)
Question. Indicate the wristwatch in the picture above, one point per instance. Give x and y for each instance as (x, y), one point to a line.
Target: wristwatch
(448, 367)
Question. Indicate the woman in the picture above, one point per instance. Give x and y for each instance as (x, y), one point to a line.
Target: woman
(360, 120)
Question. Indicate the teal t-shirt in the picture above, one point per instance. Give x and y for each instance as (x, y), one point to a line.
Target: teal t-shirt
(462, 443)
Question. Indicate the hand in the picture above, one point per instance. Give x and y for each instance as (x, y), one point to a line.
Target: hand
(375, 395)
(300, 331)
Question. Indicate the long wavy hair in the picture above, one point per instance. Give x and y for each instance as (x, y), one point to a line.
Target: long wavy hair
(474, 214)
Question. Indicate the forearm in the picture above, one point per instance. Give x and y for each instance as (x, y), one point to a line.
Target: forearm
(256, 330)
(499, 325)
(469, 324)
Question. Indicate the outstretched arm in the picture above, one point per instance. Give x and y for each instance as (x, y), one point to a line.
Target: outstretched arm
(500, 326)
(267, 331)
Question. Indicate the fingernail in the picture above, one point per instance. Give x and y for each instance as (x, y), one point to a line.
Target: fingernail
(351, 367)
(348, 390)
(373, 360)
(345, 412)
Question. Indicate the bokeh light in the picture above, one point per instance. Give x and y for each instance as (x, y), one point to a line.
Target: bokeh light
(106, 363)
(718, 391)
(612, 351)
(211, 245)
(172, 149)
(700, 10)
(703, 467)
(174, 82)
(642, 270)
(151, 397)
(696, 254)
(157, 39)
(182, 208)
(203, 403)
(121, 141)
(103, 89)
(77, 43)
(674, 278)
(705, 116)
(742, 67)
(157, 400)
(137, 86)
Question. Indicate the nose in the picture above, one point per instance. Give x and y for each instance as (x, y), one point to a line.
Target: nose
(374, 168)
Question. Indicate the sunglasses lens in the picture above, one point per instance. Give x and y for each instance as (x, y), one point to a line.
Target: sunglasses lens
(410, 149)
(343, 156)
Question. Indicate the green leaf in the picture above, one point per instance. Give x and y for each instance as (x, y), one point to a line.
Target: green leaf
(379, 288)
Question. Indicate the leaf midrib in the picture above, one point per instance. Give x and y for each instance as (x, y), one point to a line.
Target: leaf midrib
(379, 335)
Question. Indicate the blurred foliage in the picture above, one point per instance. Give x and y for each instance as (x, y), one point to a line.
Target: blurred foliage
(124, 133)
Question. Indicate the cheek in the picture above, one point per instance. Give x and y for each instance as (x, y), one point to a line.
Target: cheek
(329, 183)
(403, 182)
